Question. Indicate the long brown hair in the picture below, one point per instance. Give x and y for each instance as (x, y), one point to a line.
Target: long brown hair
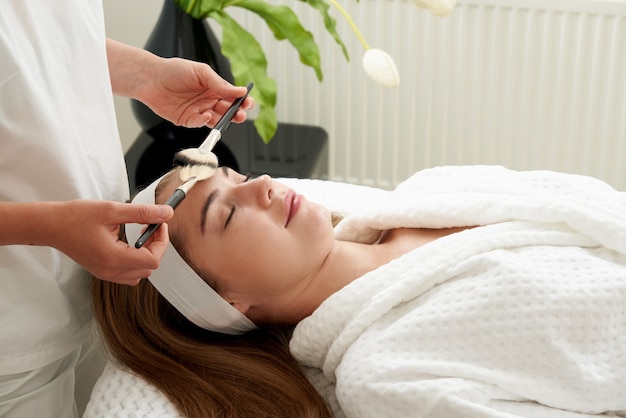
(204, 374)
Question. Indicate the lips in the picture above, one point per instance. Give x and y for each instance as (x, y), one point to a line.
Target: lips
(292, 204)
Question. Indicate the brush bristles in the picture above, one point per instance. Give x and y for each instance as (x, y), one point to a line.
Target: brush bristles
(195, 164)
(200, 172)
(192, 156)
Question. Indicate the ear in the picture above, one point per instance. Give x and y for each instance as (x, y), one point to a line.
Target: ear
(241, 307)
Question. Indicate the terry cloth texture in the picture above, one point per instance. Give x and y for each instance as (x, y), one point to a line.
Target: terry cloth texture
(523, 316)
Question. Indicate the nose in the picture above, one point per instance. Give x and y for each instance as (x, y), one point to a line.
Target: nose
(258, 189)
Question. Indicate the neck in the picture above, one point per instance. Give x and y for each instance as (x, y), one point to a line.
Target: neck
(346, 262)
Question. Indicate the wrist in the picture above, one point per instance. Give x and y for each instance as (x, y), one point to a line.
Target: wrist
(131, 69)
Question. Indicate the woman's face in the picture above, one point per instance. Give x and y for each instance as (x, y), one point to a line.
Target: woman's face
(261, 242)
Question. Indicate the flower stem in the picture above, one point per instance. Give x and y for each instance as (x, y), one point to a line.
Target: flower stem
(350, 22)
(190, 7)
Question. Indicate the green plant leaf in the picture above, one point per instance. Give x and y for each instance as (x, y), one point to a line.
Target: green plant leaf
(329, 22)
(284, 23)
(199, 9)
(248, 63)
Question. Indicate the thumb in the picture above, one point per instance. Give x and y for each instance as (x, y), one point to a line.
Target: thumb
(146, 214)
(221, 86)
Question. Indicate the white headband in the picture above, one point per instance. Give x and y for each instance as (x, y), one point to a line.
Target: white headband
(177, 282)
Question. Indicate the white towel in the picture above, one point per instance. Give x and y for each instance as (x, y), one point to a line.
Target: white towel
(523, 317)
(121, 394)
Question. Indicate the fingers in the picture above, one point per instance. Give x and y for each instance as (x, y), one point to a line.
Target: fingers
(113, 260)
(158, 242)
(129, 265)
(248, 103)
(240, 116)
(210, 115)
(206, 118)
(226, 91)
(143, 214)
(222, 107)
(213, 81)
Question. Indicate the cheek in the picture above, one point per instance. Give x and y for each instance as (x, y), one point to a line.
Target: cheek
(309, 242)
(263, 248)
(240, 253)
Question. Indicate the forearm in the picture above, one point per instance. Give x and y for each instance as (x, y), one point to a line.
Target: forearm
(185, 92)
(88, 232)
(129, 68)
(32, 223)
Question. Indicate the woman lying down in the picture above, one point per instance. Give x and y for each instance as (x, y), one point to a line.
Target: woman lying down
(467, 292)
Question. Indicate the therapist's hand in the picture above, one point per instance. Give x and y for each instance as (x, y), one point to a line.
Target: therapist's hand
(191, 94)
(87, 231)
(185, 92)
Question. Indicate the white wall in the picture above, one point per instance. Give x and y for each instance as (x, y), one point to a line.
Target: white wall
(130, 22)
(530, 84)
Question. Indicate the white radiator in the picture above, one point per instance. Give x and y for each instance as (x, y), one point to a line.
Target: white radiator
(529, 84)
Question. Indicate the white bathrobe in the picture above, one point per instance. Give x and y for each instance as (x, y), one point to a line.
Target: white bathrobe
(524, 316)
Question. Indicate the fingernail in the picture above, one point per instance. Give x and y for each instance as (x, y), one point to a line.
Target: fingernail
(163, 212)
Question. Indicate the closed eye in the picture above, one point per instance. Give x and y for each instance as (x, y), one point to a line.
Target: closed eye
(232, 209)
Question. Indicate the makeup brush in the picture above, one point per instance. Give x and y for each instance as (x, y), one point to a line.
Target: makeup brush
(196, 164)
(191, 175)
(200, 156)
(194, 161)
(201, 163)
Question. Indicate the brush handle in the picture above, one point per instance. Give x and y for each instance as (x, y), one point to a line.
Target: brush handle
(225, 120)
(221, 125)
(173, 201)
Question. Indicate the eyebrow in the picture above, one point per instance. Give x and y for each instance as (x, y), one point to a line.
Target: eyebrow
(210, 199)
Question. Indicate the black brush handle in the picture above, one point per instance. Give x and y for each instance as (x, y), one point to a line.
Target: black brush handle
(225, 120)
(173, 201)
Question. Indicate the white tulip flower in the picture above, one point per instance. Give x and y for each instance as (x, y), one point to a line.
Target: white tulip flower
(377, 63)
(381, 68)
(439, 7)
